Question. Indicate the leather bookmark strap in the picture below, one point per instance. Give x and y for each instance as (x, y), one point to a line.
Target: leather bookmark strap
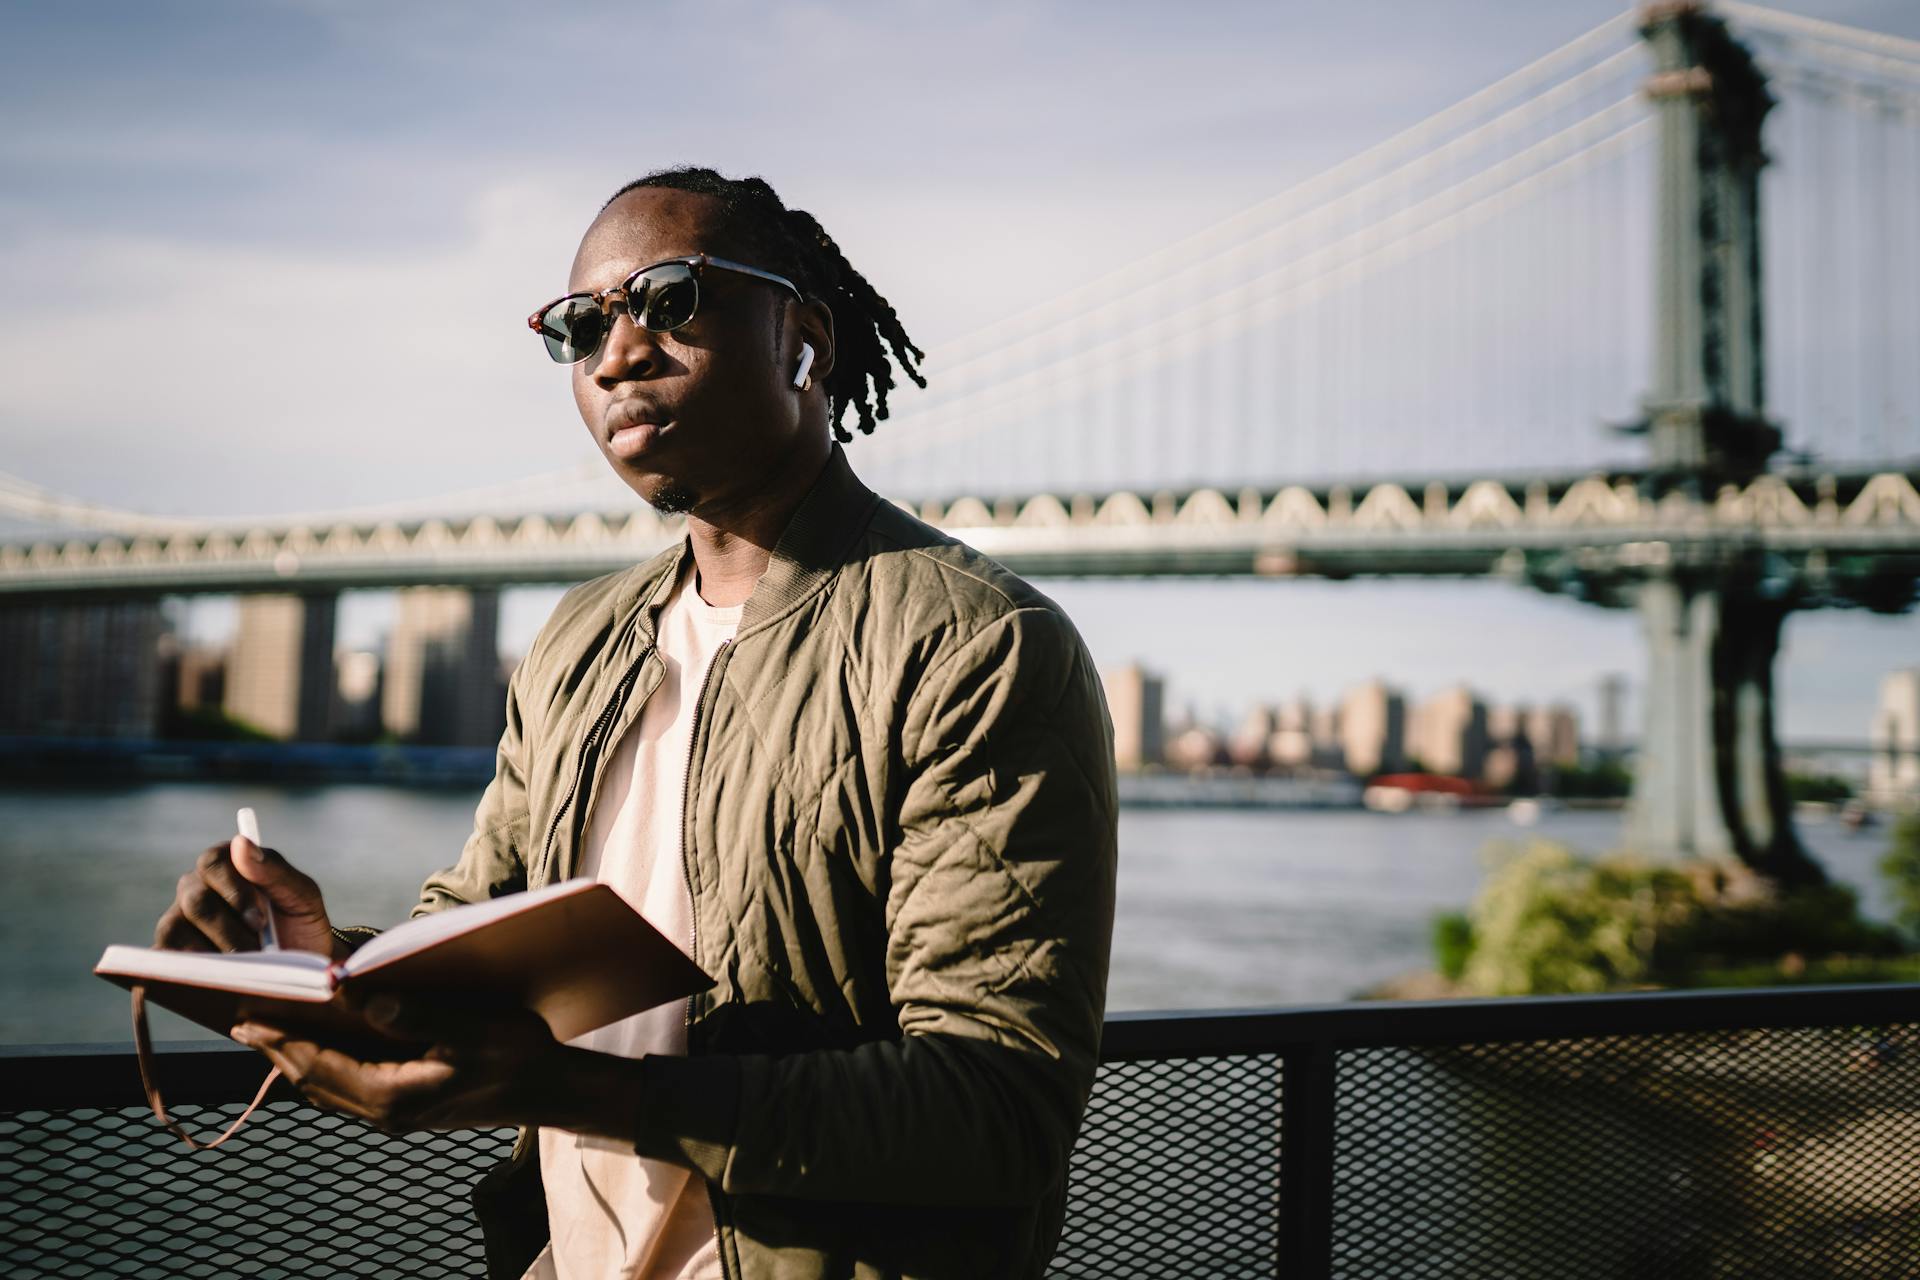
(143, 1049)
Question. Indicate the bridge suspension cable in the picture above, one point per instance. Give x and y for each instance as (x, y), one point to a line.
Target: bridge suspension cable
(1414, 143)
(1143, 275)
(1842, 195)
(1760, 17)
(1298, 280)
(25, 500)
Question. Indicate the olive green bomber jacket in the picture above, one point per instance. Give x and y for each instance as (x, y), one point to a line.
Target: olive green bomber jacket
(900, 841)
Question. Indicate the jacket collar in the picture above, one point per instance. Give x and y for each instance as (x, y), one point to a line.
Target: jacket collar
(814, 544)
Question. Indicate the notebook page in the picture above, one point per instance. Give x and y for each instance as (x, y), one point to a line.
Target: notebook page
(421, 933)
(260, 972)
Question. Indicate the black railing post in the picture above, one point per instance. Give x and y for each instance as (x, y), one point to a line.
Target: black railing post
(1306, 1161)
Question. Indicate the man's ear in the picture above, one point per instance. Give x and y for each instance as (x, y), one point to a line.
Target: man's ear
(813, 324)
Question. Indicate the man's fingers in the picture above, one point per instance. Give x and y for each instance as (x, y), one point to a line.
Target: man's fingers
(225, 880)
(296, 1060)
(294, 893)
(175, 933)
(386, 1093)
(203, 907)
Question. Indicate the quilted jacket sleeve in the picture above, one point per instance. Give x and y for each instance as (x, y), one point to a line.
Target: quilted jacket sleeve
(1000, 919)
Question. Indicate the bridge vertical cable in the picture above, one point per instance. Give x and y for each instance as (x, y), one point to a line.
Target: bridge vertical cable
(1841, 201)
(1406, 313)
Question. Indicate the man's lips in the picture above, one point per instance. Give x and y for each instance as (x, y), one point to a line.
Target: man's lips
(632, 434)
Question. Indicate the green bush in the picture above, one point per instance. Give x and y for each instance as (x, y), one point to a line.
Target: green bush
(210, 724)
(1452, 944)
(1901, 867)
(1605, 781)
(1819, 788)
(1548, 921)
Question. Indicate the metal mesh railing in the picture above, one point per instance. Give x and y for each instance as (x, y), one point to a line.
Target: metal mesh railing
(1177, 1171)
(89, 1193)
(1784, 1153)
(1706, 1137)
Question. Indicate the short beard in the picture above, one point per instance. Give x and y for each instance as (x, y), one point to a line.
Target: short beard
(672, 500)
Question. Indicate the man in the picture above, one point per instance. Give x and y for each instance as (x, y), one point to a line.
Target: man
(864, 770)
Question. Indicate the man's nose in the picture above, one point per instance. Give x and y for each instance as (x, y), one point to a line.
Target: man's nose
(631, 351)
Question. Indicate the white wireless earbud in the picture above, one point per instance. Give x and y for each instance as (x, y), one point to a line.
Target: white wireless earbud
(800, 379)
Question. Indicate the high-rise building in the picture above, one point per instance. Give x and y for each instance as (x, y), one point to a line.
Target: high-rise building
(280, 673)
(356, 695)
(1554, 731)
(442, 683)
(1511, 763)
(1291, 745)
(199, 677)
(1373, 729)
(1448, 733)
(1613, 701)
(1893, 776)
(1197, 746)
(1248, 744)
(81, 670)
(1136, 704)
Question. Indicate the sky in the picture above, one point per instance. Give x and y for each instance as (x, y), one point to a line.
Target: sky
(273, 257)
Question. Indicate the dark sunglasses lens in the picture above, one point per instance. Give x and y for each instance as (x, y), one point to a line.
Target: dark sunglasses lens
(665, 297)
(573, 328)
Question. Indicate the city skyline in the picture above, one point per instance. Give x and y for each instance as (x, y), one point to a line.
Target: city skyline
(1827, 681)
(359, 659)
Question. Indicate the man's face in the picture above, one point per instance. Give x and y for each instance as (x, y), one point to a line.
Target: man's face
(704, 414)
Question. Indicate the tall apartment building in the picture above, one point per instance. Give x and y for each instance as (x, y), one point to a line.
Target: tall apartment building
(1511, 762)
(1448, 733)
(199, 677)
(1893, 774)
(441, 683)
(1291, 745)
(356, 695)
(280, 671)
(1613, 716)
(81, 670)
(1251, 741)
(1136, 703)
(1554, 731)
(1373, 729)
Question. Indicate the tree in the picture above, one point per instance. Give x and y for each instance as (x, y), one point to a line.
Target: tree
(1901, 867)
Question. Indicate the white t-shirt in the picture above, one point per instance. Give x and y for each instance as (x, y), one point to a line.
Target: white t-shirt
(612, 1212)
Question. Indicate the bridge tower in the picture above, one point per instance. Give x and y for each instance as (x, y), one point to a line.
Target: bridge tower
(1709, 779)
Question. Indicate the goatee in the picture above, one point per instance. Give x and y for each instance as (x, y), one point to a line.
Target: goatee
(672, 500)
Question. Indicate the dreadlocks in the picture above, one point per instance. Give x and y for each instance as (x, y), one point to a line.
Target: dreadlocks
(755, 224)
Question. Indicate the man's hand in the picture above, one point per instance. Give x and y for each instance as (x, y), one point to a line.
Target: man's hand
(216, 905)
(473, 1071)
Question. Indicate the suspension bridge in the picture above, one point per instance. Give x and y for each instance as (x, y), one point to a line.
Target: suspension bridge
(1639, 323)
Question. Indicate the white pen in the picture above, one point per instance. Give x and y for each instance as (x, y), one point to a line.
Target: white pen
(249, 825)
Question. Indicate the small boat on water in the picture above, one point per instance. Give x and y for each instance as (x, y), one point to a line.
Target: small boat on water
(1399, 792)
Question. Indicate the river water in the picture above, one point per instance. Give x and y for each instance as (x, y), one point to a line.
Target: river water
(1216, 907)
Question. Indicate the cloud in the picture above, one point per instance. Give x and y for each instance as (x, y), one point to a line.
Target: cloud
(221, 379)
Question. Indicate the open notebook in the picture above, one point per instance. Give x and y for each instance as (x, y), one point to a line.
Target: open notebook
(574, 952)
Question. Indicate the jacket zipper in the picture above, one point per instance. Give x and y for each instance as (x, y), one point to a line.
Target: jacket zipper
(600, 724)
(686, 794)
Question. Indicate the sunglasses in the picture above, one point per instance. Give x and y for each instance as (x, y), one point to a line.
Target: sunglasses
(659, 298)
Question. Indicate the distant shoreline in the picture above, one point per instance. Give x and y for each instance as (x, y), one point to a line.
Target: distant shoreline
(88, 761)
(110, 760)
